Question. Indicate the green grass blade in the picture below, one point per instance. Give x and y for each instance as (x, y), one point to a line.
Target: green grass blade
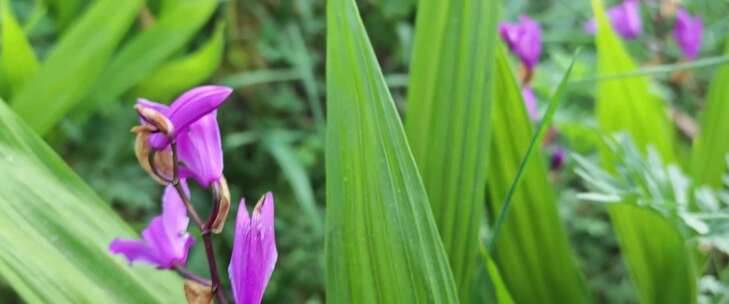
(382, 244)
(658, 261)
(181, 74)
(529, 244)
(55, 232)
(18, 59)
(74, 65)
(449, 119)
(147, 51)
(711, 145)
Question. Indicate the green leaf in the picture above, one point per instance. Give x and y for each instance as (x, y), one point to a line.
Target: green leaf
(657, 258)
(181, 74)
(382, 244)
(626, 104)
(532, 251)
(55, 232)
(449, 119)
(711, 147)
(18, 59)
(148, 50)
(74, 65)
(65, 11)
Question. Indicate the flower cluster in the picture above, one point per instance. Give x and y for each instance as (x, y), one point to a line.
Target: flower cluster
(525, 40)
(180, 142)
(625, 19)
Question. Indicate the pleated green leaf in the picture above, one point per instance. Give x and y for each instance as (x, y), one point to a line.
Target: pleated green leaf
(74, 65)
(18, 59)
(147, 51)
(382, 244)
(711, 146)
(449, 118)
(532, 251)
(179, 75)
(658, 261)
(55, 232)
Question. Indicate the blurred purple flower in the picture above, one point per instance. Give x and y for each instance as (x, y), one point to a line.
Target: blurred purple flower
(530, 102)
(524, 39)
(165, 242)
(624, 18)
(198, 142)
(688, 32)
(254, 251)
(557, 160)
(186, 110)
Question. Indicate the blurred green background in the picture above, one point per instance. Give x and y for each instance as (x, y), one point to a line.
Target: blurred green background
(273, 125)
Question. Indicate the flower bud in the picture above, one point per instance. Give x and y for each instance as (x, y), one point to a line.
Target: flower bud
(197, 293)
(221, 195)
(160, 122)
(162, 171)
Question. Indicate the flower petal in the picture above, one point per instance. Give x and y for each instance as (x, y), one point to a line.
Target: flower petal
(688, 33)
(254, 251)
(189, 108)
(524, 39)
(134, 251)
(201, 151)
(530, 102)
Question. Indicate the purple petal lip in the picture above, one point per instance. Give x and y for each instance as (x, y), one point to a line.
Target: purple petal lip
(688, 33)
(189, 108)
(254, 251)
(524, 39)
(165, 242)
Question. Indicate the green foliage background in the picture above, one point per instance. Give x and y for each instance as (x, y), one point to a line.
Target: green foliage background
(273, 52)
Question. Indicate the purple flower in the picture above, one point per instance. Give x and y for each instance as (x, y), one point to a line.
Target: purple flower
(530, 102)
(198, 139)
(254, 251)
(524, 39)
(688, 32)
(624, 18)
(187, 109)
(165, 242)
(557, 160)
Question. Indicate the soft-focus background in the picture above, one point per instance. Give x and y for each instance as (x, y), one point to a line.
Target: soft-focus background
(273, 125)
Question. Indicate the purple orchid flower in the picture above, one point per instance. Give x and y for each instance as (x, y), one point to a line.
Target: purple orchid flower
(688, 33)
(193, 117)
(624, 18)
(557, 160)
(254, 251)
(165, 242)
(530, 102)
(187, 109)
(524, 39)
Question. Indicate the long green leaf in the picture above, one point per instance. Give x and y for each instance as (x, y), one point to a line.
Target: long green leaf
(148, 50)
(18, 59)
(181, 74)
(54, 231)
(711, 146)
(449, 119)
(532, 250)
(382, 244)
(74, 65)
(658, 261)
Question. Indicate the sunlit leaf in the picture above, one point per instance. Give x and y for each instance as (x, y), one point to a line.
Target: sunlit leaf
(18, 59)
(147, 51)
(711, 145)
(658, 261)
(54, 232)
(382, 244)
(178, 75)
(449, 119)
(532, 251)
(75, 63)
